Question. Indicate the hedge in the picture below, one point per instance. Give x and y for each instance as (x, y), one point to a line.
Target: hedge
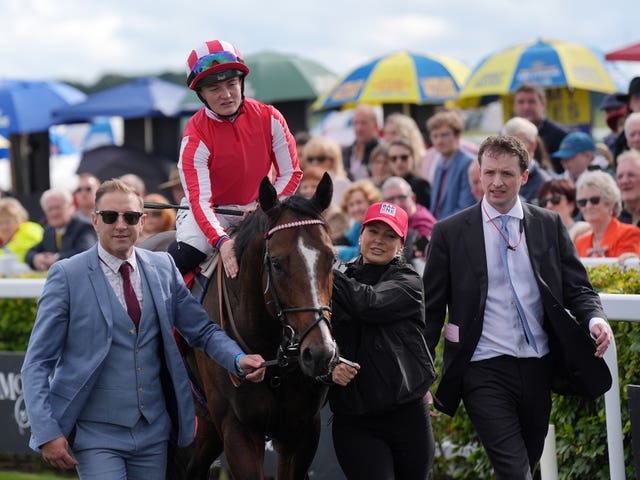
(581, 437)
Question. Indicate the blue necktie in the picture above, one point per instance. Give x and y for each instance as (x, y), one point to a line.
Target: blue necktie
(503, 253)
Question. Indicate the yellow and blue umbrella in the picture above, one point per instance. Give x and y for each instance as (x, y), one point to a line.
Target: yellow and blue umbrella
(402, 77)
(548, 63)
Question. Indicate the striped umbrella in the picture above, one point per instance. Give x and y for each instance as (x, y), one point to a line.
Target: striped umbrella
(548, 63)
(402, 77)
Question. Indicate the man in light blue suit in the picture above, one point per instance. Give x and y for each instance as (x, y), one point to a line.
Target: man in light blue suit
(118, 391)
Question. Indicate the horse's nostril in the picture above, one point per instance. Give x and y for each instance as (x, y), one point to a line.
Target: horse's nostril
(307, 356)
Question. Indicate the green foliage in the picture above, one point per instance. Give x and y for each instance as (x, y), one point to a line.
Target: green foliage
(16, 321)
(581, 435)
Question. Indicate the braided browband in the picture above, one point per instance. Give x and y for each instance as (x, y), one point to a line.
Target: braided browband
(298, 223)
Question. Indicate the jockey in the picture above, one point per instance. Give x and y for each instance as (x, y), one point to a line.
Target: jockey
(228, 147)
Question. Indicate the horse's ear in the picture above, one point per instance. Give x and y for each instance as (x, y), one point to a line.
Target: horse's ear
(324, 192)
(267, 195)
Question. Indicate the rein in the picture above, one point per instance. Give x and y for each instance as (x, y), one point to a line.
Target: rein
(289, 349)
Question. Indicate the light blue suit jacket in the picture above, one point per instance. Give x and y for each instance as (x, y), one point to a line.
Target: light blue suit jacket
(73, 333)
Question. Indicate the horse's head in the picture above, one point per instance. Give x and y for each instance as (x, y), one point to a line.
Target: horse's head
(298, 263)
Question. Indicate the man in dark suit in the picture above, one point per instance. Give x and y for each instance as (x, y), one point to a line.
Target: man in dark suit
(105, 386)
(64, 235)
(508, 272)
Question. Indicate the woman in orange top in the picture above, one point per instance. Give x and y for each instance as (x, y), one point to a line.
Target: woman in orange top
(599, 201)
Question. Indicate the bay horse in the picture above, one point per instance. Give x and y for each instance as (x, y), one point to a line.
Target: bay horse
(277, 306)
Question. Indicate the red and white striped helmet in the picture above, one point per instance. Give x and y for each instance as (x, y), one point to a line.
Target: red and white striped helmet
(212, 57)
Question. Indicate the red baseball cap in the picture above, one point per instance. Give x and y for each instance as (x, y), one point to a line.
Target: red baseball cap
(389, 213)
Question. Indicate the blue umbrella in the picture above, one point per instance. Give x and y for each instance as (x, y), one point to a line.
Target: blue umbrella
(139, 98)
(26, 105)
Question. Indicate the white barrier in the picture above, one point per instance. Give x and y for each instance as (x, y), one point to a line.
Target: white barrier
(21, 287)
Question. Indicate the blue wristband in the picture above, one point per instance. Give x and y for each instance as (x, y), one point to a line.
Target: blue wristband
(239, 370)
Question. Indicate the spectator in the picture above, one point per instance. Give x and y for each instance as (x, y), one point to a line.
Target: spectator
(357, 198)
(64, 235)
(84, 196)
(451, 191)
(628, 179)
(615, 111)
(528, 134)
(508, 342)
(366, 129)
(474, 180)
(632, 101)
(381, 425)
(632, 130)
(599, 201)
(530, 102)
(325, 153)
(105, 387)
(399, 125)
(173, 186)
(135, 182)
(559, 195)
(403, 161)
(17, 233)
(157, 219)
(379, 164)
(578, 154)
(337, 220)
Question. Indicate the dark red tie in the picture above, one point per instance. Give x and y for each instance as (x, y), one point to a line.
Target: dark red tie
(133, 306)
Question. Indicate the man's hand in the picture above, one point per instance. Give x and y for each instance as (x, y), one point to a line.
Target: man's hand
(251, 365)
(228, 256)
(43, 261)
(56, 453)
(602, 334)
(342, 373)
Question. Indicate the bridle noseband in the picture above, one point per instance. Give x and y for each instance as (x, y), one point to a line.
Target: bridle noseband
(290, 346)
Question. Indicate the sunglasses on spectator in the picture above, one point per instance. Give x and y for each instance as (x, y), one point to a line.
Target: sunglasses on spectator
(395, 158)
(130, 218)
(555, 200)
(583, 201)
(319, 158)
(154, 213)
(83, 189)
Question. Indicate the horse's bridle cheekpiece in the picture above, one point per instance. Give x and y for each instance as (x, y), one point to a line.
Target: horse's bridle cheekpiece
(290, 347)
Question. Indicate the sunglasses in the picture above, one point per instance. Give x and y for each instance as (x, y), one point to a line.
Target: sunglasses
(130, 218)
(154, 213)
(83, 189)
(555, 200)
(583, 201)
(395, 158)
(319, 158)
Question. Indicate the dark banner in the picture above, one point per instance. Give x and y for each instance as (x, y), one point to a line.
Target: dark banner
(15, 425)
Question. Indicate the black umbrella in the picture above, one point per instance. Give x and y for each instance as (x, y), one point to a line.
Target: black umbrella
(112, 161)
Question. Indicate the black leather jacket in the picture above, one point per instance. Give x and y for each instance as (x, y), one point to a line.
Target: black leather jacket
(378, 321)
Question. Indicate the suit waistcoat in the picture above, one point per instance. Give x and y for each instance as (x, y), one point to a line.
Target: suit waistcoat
(128, 385)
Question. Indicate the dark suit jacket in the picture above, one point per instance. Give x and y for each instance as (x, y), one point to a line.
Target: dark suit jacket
(456, 276)
(78, 237)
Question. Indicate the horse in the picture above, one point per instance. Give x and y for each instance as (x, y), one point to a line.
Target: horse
(277, 306)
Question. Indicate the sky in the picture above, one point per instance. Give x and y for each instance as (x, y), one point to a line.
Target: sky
(81, 40)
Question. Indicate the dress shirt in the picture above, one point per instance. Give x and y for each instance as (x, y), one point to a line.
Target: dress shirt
(502, 332)
(111, 265)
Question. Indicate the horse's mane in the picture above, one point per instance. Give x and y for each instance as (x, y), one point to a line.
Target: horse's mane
(256, 222)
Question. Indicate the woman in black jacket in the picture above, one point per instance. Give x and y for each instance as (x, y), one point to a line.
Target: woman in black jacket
(381, 425)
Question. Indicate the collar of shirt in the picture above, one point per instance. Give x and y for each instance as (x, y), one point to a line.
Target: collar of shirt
(114, 262)
(516, 211)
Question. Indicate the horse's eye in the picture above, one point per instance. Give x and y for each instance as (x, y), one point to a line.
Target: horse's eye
(277, 266)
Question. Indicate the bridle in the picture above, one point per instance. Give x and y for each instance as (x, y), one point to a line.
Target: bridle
(290, 347)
